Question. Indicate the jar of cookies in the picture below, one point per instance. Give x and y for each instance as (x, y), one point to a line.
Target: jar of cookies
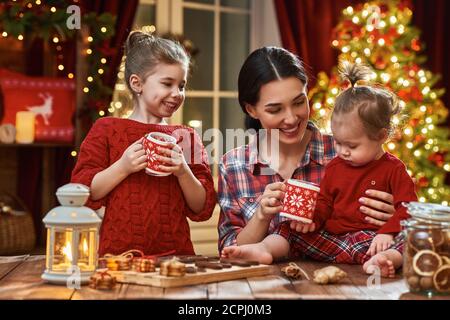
(426, 264)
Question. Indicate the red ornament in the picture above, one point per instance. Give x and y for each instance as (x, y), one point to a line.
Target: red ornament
(403, 94)
(376, 35)
(422, 182)
(406, 52)
(357, 32)
(416, 94)
(437, 158)
(419, 138)
(384, 8)
(380, 62)
(415, 67)
(415, 44)
(333, 80)
(347, 24)
(388, 41)
(404, 4)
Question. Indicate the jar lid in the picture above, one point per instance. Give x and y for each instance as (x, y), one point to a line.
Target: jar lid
(431, 212)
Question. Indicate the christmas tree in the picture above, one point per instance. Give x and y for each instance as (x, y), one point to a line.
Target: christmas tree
(380, 35)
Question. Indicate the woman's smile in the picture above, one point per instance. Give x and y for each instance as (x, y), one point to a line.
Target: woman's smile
(291, 132)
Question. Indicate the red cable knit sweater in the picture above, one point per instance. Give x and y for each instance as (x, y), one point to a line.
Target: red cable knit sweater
(142, 212)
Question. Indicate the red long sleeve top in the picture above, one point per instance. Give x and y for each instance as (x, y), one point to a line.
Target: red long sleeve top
(143, 212)
(337, 208)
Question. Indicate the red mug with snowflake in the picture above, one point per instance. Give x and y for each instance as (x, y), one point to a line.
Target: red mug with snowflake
(300, 200)
(151, 143)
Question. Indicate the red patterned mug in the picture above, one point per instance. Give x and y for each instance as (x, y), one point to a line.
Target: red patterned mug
(300, 200)
(151, 142)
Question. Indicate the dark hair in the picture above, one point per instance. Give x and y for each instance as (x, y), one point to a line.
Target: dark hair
(262, 66)
(376, 106)
(144, 51)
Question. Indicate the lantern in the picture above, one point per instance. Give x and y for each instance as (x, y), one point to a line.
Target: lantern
(72, 237)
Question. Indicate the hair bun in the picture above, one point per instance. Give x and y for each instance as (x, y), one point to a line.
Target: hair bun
(354, 72)
(135, 38)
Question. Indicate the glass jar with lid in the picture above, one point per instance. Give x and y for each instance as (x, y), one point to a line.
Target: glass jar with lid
(426, 256)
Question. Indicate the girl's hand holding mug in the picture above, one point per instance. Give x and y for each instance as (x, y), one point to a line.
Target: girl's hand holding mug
(133, 158)
(172, 160)
(270, 203)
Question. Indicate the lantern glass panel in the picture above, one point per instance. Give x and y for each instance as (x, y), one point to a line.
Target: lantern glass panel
(86, 247)
(48, 256)
(62, 250)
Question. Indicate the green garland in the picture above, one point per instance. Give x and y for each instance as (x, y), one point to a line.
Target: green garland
(35, 19)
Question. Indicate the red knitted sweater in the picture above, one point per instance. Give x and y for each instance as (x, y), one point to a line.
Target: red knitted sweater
(142, 212)
(337, 207)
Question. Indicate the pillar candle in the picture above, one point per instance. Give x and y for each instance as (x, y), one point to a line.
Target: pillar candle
(25, 127)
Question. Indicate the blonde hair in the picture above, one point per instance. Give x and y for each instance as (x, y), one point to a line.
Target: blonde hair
(144, 51)
(376, 106)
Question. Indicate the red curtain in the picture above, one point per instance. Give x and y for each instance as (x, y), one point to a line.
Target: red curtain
(430, 17)
(124, 12)
(306, 25)
(305, 28)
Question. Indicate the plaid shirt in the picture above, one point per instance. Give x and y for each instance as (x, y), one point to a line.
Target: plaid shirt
(243, 178)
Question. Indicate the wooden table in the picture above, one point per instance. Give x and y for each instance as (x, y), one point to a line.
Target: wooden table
(21, 279)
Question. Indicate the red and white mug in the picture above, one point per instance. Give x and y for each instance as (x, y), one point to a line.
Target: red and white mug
(151, 143)
(300, 200)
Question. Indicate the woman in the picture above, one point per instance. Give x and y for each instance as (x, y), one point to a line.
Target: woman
(272, 89)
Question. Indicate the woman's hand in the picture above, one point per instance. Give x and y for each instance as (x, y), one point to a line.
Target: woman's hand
(378, 212)
(133, 158)
(172, 159)
(270, 203)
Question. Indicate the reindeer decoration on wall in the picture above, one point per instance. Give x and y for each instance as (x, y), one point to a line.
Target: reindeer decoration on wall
(45, 109)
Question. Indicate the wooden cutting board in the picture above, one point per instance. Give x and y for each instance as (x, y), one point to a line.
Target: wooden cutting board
(154, 279)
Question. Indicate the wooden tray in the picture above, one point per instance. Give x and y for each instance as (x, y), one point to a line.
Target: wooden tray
(154, 279)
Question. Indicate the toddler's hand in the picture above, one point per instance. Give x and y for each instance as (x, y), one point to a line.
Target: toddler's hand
(133, 158)
(172, 159)
(380, 242)
(302, 227)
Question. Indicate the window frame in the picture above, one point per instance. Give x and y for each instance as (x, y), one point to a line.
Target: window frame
(169, 18)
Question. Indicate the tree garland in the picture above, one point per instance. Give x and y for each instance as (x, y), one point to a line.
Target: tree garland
(26, 19)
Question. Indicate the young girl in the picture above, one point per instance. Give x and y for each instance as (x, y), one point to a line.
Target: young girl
(361, 123)
(146, 212)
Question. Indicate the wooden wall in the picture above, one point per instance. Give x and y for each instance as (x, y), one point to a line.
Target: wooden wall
(8, 169)
(204, 235)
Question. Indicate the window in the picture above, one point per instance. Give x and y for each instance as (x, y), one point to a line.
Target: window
(220, 29)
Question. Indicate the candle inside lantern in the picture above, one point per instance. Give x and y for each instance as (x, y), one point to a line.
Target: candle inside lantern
(25, 127)
(85, 247)
(67, 251)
